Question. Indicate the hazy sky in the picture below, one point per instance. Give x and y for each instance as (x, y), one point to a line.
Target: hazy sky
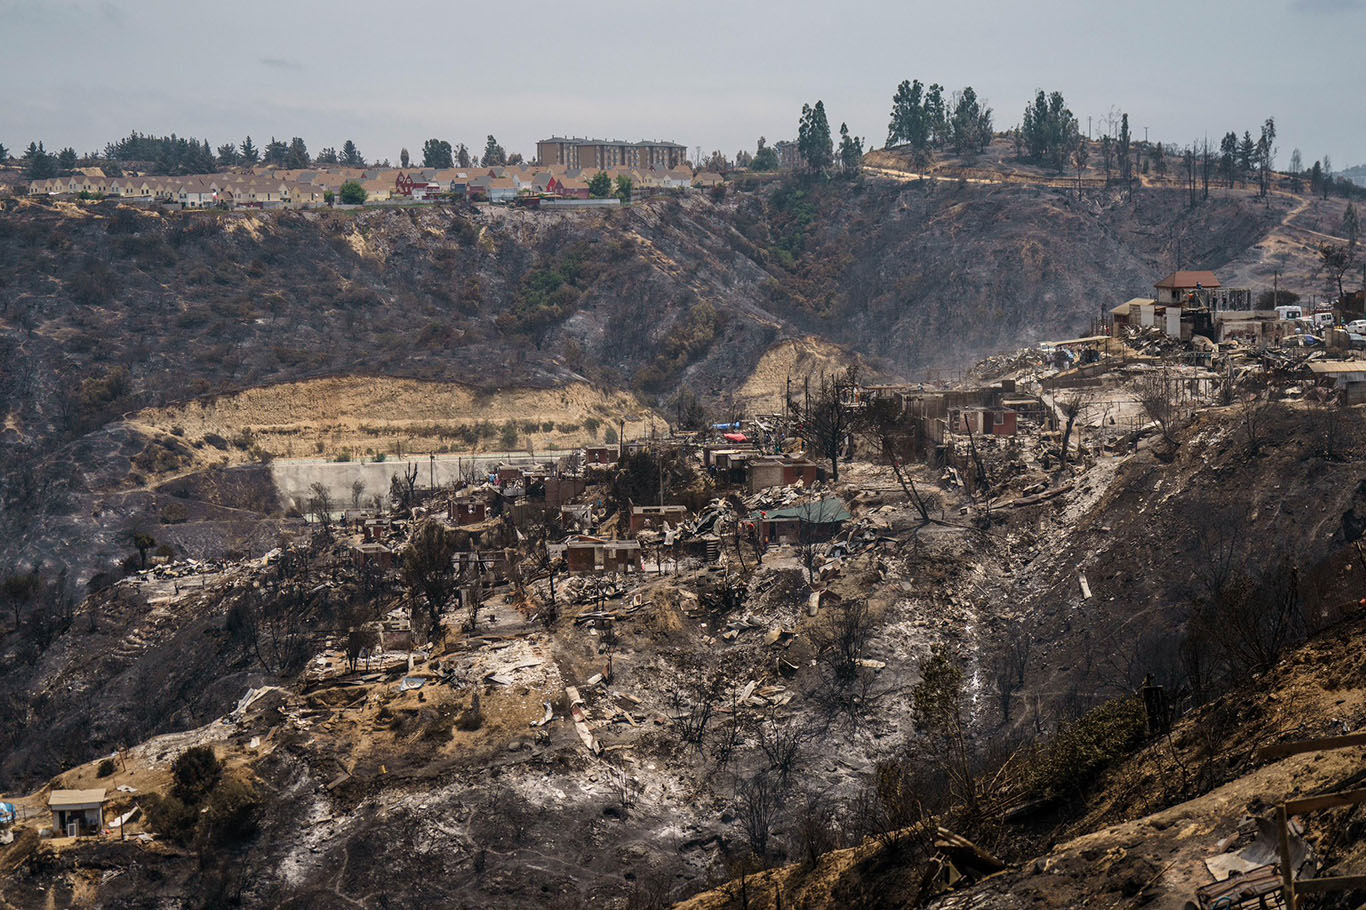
(716, 75)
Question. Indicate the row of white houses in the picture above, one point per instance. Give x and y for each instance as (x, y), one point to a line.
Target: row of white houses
(192, 192)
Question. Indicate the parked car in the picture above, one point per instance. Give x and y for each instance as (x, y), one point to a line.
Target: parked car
(1357, 340)
(1358, 326)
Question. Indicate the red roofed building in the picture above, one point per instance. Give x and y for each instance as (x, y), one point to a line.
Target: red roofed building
(1177, 286)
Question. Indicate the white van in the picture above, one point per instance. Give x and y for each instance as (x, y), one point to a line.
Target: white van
(1288, 313)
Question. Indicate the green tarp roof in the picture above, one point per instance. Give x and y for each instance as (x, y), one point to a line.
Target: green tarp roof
(827, 511)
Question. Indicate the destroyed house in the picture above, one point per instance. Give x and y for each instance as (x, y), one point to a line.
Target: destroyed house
(555, 489)
(811, 521)
(653, 518)
(467, 511)
(77, 813)
(583, 554)
(377, 529)
(985, 421)
(1346, 377)
(375, 555)
(600, 455)
(775, 471)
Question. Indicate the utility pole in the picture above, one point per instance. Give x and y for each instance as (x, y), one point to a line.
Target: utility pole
(1088, 126)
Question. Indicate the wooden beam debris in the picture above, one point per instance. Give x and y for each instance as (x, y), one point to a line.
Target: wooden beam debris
(1281, 750)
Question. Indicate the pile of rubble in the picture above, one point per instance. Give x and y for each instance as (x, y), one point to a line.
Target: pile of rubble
(1023, 361)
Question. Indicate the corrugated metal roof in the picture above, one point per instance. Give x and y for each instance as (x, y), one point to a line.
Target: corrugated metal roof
(61, 799)
(1338, 366)
(826, 511)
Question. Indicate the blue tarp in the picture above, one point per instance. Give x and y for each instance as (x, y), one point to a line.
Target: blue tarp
(8, 814)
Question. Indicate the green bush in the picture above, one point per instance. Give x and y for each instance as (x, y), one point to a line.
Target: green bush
(170, 817)
(106, 768)
(352, 193)
(195, 772)
(507, 436)
(1071, 760)
(232, 811)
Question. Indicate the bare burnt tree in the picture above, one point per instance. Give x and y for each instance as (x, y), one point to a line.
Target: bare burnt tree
(816, 824)
(882, 424)
(320, 507)
(723, 598)
(1071, 408)
(808, 549)
(781, 740)
(1253, 420)
(695, 706)
(896, 803)
(825, 418)
(1009, 667)
(429, 569)
(272, 621)
(1158, 394)
(473, 579)
(842, 640)
(403, 492)
(757, 804)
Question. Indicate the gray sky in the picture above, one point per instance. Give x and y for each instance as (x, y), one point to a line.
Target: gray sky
(716, 75)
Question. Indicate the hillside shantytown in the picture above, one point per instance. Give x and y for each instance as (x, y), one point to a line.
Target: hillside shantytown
(561, 175)
(970, 516)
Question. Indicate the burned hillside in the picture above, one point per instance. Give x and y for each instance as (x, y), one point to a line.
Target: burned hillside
(629, 674)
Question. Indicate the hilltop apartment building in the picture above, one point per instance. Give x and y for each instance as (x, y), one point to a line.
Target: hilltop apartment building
(600, 154)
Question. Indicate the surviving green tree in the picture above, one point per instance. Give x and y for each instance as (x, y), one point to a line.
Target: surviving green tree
(970, 124)
(1050, 130)
(250, 153)
(493, 153)
(351, 156)
(600, 185)
(38, 163)
(436, 153)
(352, 193)
(851, 151)
(276, 152)
(813, 138)
(909, 123)
(765, 157)
(298, 154)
